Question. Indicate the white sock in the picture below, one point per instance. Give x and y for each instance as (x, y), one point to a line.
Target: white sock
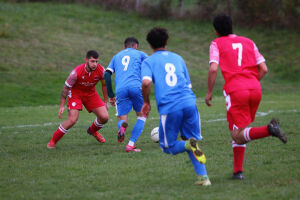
(130, 143)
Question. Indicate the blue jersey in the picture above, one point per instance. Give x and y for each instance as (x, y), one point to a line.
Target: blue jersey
(172, 83)
(127, 68)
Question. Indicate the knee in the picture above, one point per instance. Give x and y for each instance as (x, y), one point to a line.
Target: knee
(103, 119)
(239, 139)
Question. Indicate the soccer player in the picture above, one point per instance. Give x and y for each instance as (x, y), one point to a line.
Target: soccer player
(127, 68)
(242, 68)
(80, 89)
(176, 102)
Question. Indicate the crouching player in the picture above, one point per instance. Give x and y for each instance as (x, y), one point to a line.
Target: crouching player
(80, 89)
(175, 100)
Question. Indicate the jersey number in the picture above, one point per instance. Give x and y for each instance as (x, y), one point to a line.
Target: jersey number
(238, 46)
(125, 62)
(171, 78)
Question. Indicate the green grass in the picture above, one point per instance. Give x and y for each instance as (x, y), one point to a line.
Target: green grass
(81, 168)
(40, 43)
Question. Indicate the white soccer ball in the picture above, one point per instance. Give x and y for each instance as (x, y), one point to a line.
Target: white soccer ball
(155, 135)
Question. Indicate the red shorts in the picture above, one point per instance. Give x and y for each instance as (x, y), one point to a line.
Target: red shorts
(90, 101)
(241, 107)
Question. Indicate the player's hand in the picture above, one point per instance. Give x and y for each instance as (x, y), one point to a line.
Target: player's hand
(61, 111)
(112, 101)
(146, 109)
(208, 98)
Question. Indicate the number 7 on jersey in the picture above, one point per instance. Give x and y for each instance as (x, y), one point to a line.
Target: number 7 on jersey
(238, 46)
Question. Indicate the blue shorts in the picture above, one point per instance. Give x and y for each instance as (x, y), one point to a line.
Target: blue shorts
(186, 120)
(127, 98)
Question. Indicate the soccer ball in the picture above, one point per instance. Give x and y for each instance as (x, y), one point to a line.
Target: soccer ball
(154, 135)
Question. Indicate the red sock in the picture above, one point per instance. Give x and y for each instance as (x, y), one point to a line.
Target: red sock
(238, 157)
(58, 134)
(258, 132)
(95, 126)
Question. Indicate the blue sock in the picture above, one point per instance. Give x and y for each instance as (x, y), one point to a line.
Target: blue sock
(179, 147)
(198, 167)
(137, 129)
(120, 123)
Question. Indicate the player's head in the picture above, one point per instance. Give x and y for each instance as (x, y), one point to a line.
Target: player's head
(223, 25)
(91, 60)
(158, 37)
(131, 42)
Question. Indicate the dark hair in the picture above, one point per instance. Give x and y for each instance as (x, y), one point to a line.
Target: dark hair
(223, 25)
(92, 53)
(157, 37)
(130, 41)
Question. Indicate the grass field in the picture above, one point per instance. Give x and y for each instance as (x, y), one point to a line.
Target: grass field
(81, 168)
(41, 43)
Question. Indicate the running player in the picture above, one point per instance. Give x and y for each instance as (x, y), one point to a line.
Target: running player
(242, 68)
(80, 89)
(127, 68)
(176, 102)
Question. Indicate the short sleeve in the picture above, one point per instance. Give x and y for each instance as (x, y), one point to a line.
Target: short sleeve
(186, 74)
(111, 66)
(71, 80)
(259, 58)
(146, 71)
(102, 71)
(214, 54)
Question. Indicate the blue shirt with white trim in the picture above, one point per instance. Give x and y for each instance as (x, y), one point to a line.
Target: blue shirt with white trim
(127, 68)
(168, 72)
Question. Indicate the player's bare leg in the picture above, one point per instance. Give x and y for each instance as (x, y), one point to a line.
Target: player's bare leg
(63, 128)
(102, 118)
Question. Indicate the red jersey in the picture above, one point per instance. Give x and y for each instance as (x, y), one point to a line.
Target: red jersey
(80, 81)
(238, 58)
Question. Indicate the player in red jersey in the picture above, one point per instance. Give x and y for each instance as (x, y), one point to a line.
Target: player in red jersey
(242, 68)
(80, 89)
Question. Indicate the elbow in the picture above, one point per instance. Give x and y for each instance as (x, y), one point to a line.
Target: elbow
(213, 70)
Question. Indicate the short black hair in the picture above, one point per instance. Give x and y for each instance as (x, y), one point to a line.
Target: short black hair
(130, 41)
(223, 24)
(92, 53)
(157, 37)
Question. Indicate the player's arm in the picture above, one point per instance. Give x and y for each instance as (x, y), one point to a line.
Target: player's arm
(214, 57)
(111, 95)
(262, 70)
(146, 88)
(71, 80)
(261, 63)
(104, 91)
(63, 97)
(212, 75)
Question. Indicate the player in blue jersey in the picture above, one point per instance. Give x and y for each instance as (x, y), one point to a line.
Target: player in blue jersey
(127, 68)
(176, 102)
